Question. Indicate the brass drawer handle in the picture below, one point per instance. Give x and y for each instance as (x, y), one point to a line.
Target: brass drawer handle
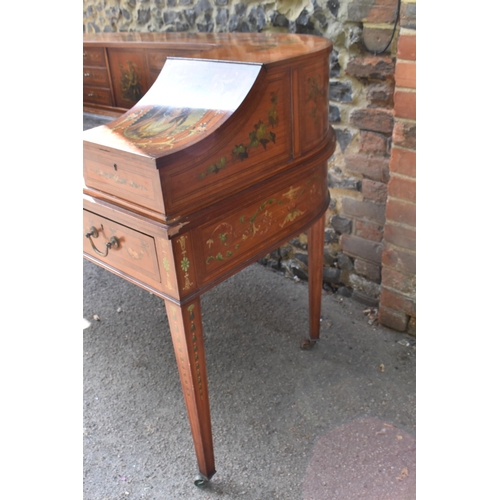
(90, 95)
(87, 74)
(113, 241)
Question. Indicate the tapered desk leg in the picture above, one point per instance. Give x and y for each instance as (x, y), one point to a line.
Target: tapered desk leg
(187, 337)
(315, 245)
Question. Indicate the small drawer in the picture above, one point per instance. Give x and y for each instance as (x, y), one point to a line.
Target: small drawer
(129, 251)
(94, 56)
(97, 95)
(130, 181)
(98, 77)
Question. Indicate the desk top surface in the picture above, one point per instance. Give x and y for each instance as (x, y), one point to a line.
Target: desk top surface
(199, 88)
(264, 48)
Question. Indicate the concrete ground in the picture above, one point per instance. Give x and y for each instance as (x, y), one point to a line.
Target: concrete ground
(336, 422)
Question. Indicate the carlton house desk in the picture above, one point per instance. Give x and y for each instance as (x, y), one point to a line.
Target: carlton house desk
(217, 156)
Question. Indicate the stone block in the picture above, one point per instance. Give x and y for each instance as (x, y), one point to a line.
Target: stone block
(376, 67)
(368, 270)
(397, 320)
(408, 16)
(378, 39)
(372, 11)
(359, 247)
(405, 135)
(344, 262)
(373, 143)
(333, 6)
(374, 191)
(380, 94)
(344, 138)
(368, 210)
(375, 168)
(374, 119)
(340, 91)
(334, 114)
(331, 275)
(369, 230)
(341, 224)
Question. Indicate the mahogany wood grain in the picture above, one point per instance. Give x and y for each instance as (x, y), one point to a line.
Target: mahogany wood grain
(315, 248)
(224, 159)
(187, 337)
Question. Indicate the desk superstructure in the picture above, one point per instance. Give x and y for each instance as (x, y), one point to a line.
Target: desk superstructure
(221, 161)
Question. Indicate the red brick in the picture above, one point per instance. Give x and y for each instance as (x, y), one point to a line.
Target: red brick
(374, 119)
(373, 11)
(368, 270)
(396, 320)
(359, 247)
(405, 135)
(371, 143)
(374, 191)
(407, 47)
(380, 95)
(403, 283)
(398, 211)
(378, 67)
(368, 210)
(383, 11)
(406, 74)
(405, 105)
(402, 188)
(374, 168)
(402, 260)
(397, 301)
(369, 230)
(400, 236)
(403, 162)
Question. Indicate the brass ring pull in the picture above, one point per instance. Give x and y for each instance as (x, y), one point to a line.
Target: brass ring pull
(113, 241)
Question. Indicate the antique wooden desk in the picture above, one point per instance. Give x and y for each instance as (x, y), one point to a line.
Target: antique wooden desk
(223, 160)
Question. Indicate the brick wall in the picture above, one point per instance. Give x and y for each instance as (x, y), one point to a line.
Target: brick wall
(397, 299)
(370, 223)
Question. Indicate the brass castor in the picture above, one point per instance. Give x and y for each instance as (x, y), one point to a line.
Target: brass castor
(307, 344)
(200, 480)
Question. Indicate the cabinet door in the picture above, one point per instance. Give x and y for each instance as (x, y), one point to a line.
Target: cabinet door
(128, 75)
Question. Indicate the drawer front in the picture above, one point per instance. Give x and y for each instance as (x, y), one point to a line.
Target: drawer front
(235, 237)
(136, 252)
(129, 77)
(119, 178)
(97, 77)
(94, 56)
(97, 95)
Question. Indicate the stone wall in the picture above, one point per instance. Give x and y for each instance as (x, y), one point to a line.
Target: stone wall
(361, 111)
